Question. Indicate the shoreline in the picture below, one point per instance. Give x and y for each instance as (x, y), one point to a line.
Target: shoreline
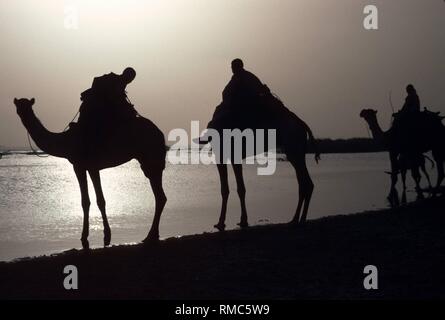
(322, 260)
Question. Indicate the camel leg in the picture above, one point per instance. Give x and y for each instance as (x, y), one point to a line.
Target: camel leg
(427, 176)
(416, 177)
(393, 196)
(222, 170)
(440, 174)
(100, 199)
(403, 174)
(403, 199)
(301, 191)
(394, 170)
(306, 188)
(160, 201)
(241, 189)
(81, 175)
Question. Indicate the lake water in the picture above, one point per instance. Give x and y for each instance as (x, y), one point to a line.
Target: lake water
(40, 210)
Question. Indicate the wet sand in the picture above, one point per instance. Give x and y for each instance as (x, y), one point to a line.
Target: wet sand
(322, 260)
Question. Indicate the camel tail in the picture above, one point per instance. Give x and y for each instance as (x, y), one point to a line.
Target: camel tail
(314, 143)
(312, 140)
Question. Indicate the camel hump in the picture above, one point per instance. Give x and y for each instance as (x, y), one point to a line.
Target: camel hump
(148, 131)
(424, 119)
(145, 122)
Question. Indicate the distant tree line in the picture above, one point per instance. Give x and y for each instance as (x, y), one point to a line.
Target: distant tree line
(353, 145)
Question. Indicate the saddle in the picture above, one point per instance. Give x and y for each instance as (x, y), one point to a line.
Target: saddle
(410, 130)
(264, 112)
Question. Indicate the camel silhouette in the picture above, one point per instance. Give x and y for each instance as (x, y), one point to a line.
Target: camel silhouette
(429, 136)
(292, 135)
(141, 140)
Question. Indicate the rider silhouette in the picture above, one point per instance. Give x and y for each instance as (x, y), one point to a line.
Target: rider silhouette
(407, 125)
(244, 88)
(246, 102)
(243, 92)
(104, 106)
(412, 102)
(107, 97)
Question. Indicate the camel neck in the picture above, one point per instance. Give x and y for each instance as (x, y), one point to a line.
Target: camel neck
(376, 130)
(49, 142)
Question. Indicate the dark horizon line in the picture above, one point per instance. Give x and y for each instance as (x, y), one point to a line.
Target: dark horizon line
(325, 145)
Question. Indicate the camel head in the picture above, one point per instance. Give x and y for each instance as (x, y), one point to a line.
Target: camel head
(368, 114)
(23, 105)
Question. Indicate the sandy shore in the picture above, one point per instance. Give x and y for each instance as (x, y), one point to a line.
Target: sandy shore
(323, 259)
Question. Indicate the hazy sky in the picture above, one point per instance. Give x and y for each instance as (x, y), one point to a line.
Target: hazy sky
(315, 54)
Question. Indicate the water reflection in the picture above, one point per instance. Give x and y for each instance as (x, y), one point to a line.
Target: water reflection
(40, 201)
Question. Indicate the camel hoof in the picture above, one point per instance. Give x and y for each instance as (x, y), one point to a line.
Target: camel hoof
(85, 244)
(243, 224)
(107, 238)
(293, 223)
(220, 226)
(151, 238)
